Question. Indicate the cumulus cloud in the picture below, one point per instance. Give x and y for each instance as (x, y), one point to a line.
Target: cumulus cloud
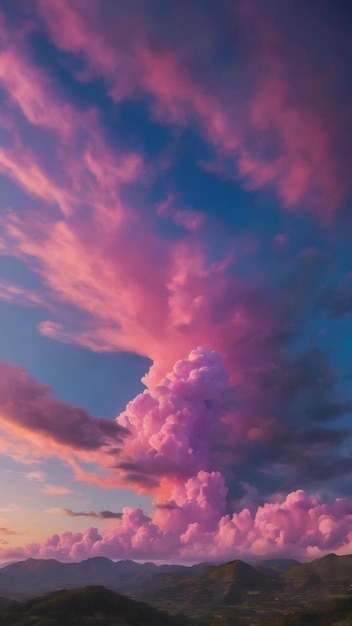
(178, 432)
(196, 419)
(248, 415)
(192, 442)
(199, 529)
(173, 424)
(180, 299)
(89, 261)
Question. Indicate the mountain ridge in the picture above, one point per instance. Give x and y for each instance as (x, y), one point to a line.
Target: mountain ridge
(28, 577)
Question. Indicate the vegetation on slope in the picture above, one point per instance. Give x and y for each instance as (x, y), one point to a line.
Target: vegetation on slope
(93, 606)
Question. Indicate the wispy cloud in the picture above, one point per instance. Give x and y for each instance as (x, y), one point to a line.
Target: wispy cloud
(57, 490)
(280, 134)
(92, 514)
(19, 295)
(51, 421)
(39, 476)
(8, 531)
(11, 508)
(256, 415)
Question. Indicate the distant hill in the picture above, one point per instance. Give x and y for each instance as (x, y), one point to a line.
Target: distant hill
(226, 584)
(233, 585)
(26, 579)
(278, 564)
(93, 606)
(330, 569)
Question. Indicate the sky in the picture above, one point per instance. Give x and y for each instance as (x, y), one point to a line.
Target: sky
(175, 279)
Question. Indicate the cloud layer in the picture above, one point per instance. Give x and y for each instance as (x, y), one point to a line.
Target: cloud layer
(199, 529)
(275, 122)
(181, 447)
(35, 425)
(119, 261)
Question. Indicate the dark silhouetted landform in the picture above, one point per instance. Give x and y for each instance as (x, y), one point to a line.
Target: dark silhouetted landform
(235, 592)
(88, 606)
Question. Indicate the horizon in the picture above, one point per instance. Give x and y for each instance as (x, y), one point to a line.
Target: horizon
(206, 564)
(175, 280)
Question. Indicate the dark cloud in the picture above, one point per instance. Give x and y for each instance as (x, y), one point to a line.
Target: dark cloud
(299, 442)
(167, 506)
(109, 515)
(338, 300)
(308, 390)
(31, 405)
(101, 515)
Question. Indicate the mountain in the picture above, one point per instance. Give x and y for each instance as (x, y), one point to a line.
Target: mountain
(28, 578)
(330, 570)
(229, 589)
(226, 584)
(97, 606)
(93, 606)
(278, 564)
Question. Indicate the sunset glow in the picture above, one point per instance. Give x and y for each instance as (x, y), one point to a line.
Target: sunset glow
(175, 280)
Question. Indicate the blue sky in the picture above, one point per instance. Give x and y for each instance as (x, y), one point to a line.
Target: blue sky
(176, 269)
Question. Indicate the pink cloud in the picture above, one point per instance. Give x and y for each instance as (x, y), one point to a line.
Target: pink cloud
(91, 257)
(107, 171)
(30, 89)
(276, 124)
(179, 435)
(8, 531)
(167, 430)
(36, 475)
(191, 435)
(56, 490)
(198, 529)
(173, 425)
(20, 295)
(295, 110)
(34, 424)
(162, 308)
(21, 165)
(191, 220)
(73, 166)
